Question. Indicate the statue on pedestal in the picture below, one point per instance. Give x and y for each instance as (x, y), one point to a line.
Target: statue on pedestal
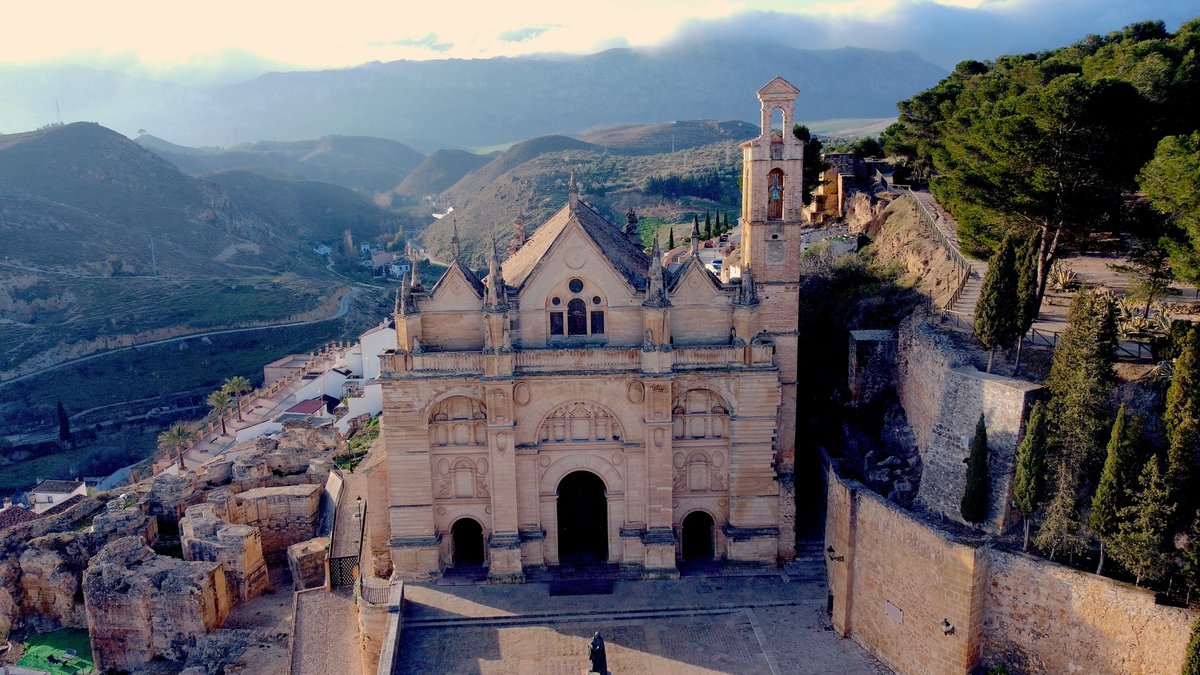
(596, 655)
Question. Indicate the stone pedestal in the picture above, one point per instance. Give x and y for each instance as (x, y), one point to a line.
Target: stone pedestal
(660, 554)
(416, 559)
(504, 566)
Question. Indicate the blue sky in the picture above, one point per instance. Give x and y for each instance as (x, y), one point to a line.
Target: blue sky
(219, 37)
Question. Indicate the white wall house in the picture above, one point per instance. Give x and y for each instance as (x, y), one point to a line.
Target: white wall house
(49, 493)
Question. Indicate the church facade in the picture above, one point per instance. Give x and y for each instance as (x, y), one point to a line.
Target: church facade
(584, 404)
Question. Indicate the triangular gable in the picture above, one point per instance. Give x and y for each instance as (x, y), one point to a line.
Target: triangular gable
(626, 259)
(778, 87)
(458, 288)
(575, 231)
(680, 284)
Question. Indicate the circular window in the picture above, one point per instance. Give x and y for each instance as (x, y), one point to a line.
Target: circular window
(595, 299)
(576, 285)
(556, 301)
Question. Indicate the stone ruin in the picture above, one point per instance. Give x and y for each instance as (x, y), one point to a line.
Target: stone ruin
(205, 537)
(306, 560)
(284, 515)
(141, 605)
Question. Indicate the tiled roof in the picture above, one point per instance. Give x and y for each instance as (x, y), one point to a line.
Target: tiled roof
(63, 505)
(15, 515)
(625, 256)
(308, 407)
(58, 486)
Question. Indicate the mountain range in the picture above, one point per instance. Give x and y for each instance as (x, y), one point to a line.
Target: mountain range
(455, 103)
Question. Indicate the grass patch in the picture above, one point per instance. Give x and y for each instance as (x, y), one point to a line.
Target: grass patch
(46, 652)
(358, 445)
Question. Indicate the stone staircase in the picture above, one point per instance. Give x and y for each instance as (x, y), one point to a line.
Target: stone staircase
(964, 306)
(809, 565)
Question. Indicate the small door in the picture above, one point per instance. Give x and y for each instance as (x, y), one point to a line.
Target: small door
(467, 537)
(697, 537)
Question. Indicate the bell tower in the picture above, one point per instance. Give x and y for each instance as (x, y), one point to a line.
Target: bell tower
(772, 216)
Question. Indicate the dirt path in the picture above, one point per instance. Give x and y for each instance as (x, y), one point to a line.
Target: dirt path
(326, 638)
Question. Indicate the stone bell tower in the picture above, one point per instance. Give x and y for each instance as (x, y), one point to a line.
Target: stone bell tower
(772, 215)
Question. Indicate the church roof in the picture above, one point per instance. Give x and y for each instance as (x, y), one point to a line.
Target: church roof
(778, 86)
(626, 257)
(467, 273)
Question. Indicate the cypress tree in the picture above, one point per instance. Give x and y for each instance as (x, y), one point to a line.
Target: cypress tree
(1059, 532)
(1138, 546)
(64, 424)
(1030, 477)
(1117, 478)
(708, 233)
(1181, 422)
(1028, 302)
(1081, 379)
(997, 310)
(670, 239)
(1190, 562)
(974, 504)
(1191, 662)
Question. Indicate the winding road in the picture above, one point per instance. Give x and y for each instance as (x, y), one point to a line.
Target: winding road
(343, 309)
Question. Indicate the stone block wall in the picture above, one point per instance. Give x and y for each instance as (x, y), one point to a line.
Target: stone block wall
(238, 548)
(943, 396)
(895, 576)
(283, 515)
(141, 605)
(1044, 618)
(307, 561)
(872, 364)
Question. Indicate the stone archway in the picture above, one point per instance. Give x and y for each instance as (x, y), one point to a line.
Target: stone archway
(467, 540)
(582, 520)
(696, 534)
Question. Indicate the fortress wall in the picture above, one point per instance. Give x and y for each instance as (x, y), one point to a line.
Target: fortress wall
(899, 580)
(1045, 618)
(899, 576)
(943, 396)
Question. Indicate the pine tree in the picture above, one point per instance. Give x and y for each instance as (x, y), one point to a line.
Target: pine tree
(670, 238)
(1117, 478)
(1081, 379)
(1028, 301)
(996, 314)
(1030, 477)
(1059, 532)
(974, 504)
(1181, 422)
(1191, 662)
(64, 424)
(1140, 539)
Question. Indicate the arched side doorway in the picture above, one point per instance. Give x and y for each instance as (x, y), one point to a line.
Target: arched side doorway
(697, 535)
(467, 539)
(582, 520)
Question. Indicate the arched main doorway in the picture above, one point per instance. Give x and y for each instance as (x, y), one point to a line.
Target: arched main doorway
(697, 537)
(467, 536)
(582, 520)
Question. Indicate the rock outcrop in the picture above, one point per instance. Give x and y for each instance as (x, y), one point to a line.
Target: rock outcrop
(283, 515)
(141, 605)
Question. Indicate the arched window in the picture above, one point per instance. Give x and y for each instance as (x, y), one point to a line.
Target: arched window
(775, 184)
(576, 317)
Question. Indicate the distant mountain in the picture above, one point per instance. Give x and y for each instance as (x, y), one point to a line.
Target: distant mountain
(652, 139)
(440, 170)
(480, 102)
(355, 162)
(303, 209)
(104, 240)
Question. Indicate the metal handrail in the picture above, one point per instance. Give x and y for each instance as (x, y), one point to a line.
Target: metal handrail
(961, 264)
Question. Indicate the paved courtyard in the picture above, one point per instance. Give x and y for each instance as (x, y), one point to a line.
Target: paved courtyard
(739, 625)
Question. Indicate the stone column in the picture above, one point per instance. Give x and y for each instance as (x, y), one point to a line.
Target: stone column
(504, 545)
(659, 539)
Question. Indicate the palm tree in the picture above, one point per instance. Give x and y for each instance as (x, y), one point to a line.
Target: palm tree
(237, 386)
(221, 401)
(175, 439)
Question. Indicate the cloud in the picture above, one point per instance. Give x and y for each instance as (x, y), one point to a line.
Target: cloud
(947, 32)
(428, 41)
(523, 34)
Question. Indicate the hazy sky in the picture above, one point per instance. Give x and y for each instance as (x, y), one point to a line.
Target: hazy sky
(243, 36)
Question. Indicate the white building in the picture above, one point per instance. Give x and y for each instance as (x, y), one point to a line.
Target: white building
(49, 493)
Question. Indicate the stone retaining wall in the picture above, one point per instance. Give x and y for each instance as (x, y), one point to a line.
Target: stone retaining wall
(895, 576)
